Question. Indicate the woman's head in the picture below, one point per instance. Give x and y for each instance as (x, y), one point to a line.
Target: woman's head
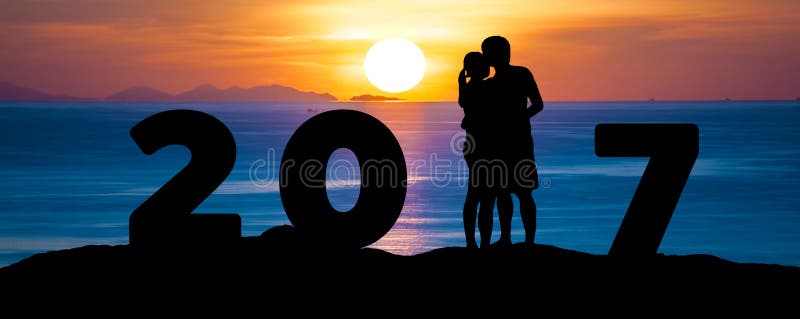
(476, 66)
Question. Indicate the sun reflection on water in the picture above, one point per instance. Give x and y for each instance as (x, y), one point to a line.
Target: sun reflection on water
(406, 119)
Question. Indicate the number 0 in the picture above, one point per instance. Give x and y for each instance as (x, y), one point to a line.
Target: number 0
(383, 179)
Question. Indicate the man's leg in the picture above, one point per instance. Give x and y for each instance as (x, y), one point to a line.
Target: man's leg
(505, 210)
(485, 219)
(527, 210)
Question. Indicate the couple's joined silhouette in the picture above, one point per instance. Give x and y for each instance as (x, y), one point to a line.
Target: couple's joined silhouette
(499, 147)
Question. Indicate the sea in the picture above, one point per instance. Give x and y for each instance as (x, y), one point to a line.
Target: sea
(70, 174)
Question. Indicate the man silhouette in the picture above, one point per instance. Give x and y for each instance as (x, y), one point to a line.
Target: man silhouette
(514, 85)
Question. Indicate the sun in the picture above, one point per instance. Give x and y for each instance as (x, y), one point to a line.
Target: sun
(394, 65)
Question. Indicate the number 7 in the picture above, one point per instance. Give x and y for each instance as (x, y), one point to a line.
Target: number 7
(672, 149)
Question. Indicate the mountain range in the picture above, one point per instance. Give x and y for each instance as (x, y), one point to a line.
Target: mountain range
(202, 93)
(11, 92)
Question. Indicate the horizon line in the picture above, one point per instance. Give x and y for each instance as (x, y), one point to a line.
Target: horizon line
(337, 100)
(96, 100)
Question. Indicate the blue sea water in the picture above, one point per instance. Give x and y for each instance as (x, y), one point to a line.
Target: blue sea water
(70, 174)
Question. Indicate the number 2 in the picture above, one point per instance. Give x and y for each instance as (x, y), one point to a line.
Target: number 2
(166, 217)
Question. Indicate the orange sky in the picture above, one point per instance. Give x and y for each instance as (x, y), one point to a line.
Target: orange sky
(578, 50)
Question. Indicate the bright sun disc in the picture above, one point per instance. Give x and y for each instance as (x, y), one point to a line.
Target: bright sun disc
(394, 65)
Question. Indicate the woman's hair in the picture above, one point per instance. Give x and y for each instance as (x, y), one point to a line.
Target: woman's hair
(476, 65)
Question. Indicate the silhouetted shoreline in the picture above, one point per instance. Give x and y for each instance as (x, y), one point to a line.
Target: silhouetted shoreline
(283, 260)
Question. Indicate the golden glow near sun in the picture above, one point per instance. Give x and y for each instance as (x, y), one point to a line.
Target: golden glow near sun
(394, 65)
(584, 50)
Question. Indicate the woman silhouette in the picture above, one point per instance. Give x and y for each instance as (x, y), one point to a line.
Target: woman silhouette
(479, 151)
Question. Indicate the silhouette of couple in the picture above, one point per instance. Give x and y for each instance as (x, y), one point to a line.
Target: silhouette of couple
(499, 147)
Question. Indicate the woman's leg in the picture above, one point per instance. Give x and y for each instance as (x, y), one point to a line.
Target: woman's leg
(470, 214)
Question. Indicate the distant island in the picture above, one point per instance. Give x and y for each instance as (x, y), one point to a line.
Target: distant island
(272, 93)
(373, 98)
(202, 93)
(140, 94)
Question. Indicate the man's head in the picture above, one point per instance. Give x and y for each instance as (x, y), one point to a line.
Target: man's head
(497, 51)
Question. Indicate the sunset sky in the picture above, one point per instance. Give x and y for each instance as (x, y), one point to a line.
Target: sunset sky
(577, 50)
